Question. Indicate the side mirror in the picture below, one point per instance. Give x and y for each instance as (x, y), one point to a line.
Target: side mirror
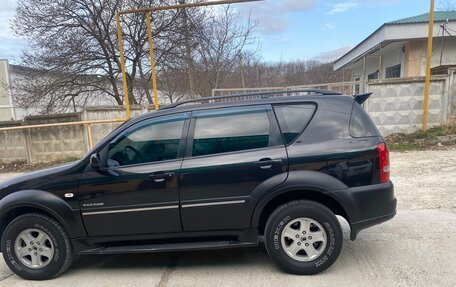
(95, 161)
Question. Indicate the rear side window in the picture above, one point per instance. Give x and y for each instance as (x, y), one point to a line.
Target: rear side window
(216, 134)
(293, 119)
(360, 123)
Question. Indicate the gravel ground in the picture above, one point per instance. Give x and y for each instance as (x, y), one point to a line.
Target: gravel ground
(416, 248)
(425, 179)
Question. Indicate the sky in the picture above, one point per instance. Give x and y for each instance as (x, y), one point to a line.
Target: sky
(288, 29)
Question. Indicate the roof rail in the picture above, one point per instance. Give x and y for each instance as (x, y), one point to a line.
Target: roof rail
(262, 95)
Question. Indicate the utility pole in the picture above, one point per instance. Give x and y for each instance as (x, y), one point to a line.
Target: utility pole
(188, 51)
(427, 83)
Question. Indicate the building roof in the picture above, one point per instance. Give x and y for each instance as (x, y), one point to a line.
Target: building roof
(399, 30)
(439, 16)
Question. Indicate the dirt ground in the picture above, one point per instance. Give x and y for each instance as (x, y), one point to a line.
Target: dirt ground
(416, 248)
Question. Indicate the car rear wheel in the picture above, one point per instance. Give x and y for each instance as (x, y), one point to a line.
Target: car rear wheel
(36, 247)
(303, 237)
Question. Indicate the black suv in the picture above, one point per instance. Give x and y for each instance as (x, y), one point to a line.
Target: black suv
(221, 174)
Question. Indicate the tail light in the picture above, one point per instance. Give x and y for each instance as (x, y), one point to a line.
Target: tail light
(383, 156)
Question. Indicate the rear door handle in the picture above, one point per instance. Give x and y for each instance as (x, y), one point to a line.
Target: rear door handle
(162, 176)
(267, 163)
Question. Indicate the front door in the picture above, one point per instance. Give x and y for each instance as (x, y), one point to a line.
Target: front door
(230, 152)
(137, 192)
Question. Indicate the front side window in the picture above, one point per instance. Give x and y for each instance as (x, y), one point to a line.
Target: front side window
(231, 132)
(293, 119)
(147, 142)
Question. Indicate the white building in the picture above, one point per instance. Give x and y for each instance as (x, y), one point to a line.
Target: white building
(398, 49)
(7, 111)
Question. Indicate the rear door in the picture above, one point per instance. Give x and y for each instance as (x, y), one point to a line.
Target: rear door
(230, 152)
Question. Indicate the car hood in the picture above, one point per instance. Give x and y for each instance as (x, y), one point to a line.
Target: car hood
(37, 179)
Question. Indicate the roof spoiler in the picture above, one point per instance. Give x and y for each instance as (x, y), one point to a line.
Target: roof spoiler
(361, 98)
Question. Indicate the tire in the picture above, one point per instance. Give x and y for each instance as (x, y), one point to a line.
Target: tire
(48, 244)
(289, 251)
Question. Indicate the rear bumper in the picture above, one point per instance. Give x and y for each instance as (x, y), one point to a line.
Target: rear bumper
(367, 206)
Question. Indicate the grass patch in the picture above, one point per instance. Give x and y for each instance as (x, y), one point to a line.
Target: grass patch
(420, 140)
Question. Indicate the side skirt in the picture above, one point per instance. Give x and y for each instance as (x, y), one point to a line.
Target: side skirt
(184, 241)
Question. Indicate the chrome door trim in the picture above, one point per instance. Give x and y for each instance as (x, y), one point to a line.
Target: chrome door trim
(130, 210)
(213, 203)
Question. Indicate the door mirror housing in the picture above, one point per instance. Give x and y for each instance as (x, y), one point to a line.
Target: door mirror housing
(95, 161)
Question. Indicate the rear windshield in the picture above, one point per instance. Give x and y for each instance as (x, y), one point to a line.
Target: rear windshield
(360, 123)
(293, 119)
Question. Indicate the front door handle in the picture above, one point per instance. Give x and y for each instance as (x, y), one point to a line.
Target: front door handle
(161, 176)
(267, 163)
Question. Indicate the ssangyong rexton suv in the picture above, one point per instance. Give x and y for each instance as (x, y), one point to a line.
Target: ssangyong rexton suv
(220, 174)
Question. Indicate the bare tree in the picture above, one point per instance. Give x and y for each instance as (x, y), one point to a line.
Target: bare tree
(222, 40)
(73, 45)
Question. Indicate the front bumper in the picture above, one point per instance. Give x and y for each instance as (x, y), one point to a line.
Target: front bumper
(367, 206)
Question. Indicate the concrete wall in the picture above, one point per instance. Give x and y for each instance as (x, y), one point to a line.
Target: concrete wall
(58, 143)
(396, 105)
(55, 143)
(13, 146)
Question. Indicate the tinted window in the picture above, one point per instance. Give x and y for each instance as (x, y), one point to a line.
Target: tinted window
(147, 142)
(360, 123)
(293, 118)
(231, 132)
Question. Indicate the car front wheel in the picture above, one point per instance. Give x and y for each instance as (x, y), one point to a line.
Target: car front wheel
(303, 237)
(36, 247)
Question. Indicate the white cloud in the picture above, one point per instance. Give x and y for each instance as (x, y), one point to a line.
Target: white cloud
(274, 15)
(342, 6)
(329, 26)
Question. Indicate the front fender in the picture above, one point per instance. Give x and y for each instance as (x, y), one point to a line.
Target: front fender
(49, 203)
(309, 181)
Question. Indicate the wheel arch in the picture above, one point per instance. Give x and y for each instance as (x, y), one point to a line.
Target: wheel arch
(22, 202)
(268, 204)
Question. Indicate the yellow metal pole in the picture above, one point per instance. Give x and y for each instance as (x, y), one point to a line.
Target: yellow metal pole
(122, 67)
(152, 60)
(189, 5)
(428, 67)
(89, 136)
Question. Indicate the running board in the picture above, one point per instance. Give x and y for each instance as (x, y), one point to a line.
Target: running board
(169, 247)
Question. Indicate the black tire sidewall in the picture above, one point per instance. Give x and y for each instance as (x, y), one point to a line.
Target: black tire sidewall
(317, 212)
(62, 246)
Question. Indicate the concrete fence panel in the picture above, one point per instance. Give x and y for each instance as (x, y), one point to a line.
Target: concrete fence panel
(54, 143)
(396, 105)
(13, 146)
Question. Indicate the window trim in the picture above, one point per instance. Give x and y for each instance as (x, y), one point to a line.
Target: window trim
(182, 144)
(275, 135)
(305, 126)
